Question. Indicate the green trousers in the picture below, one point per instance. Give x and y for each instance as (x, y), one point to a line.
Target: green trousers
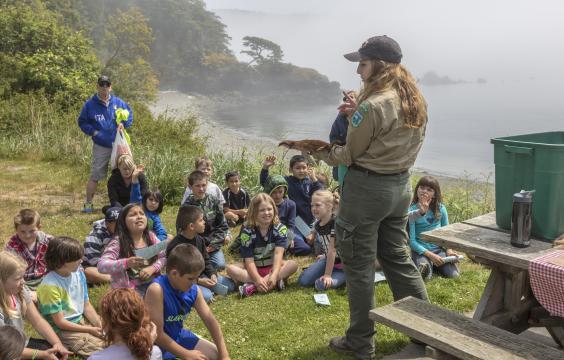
(371, 224)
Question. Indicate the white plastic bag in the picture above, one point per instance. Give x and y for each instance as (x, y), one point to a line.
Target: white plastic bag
(119, 147)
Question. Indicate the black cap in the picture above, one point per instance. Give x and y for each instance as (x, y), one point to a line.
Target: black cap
(112, 213)
(377, 48)
(104, 79)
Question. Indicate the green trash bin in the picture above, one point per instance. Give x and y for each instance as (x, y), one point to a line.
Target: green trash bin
(531, 162)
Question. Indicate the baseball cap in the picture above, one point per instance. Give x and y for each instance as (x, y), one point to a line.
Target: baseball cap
(112, 213)
(377, 48)
(104, 79)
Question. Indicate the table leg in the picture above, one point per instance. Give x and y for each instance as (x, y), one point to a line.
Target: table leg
(557, 333)
(506, 300)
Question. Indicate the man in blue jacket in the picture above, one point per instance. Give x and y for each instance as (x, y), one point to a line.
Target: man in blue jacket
(98, 120)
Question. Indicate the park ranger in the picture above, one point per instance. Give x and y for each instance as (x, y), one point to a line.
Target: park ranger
(386, 130)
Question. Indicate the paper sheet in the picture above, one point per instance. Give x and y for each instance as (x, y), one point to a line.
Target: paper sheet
(557, 261)
(379, 276)
(149, 252)
(302, 227)
(321, 299)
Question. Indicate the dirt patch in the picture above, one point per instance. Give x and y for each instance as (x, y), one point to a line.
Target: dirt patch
(16, 168)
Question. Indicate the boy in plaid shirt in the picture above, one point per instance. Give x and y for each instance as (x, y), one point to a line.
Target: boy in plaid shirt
(30, 243)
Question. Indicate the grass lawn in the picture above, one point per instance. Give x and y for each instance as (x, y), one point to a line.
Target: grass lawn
(280, 325)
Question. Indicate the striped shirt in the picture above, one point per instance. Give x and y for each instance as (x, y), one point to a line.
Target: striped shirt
(95, 243)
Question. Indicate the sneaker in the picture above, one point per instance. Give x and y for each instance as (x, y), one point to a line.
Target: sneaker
(424, 269)
(339, 344)
(247, 289)
(88, 208)
(320, 285)
(281, 285)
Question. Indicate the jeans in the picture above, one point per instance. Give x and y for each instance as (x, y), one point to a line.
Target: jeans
(208, 293)
(301, 248)
(316, 270)
(218, 260)
(448, 270)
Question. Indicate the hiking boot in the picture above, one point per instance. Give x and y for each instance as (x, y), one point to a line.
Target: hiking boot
(425, 270)
(88, 208)
(247, 289)
(339, 344)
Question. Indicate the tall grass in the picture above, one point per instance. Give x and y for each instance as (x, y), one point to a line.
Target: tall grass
(31, 127)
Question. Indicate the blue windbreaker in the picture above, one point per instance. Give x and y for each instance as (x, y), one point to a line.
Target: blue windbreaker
(95, 116)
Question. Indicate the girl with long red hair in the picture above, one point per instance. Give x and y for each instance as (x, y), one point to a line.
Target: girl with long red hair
(128, 331)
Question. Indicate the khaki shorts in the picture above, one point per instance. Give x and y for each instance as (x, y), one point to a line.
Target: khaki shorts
(82, 344)
(100, 160)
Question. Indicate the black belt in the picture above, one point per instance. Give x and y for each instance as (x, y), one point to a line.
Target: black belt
(372, 172)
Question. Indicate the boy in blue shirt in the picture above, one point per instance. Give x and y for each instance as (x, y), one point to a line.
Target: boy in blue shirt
(171, 297)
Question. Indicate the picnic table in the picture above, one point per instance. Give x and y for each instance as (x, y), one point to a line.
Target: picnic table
(507, 301)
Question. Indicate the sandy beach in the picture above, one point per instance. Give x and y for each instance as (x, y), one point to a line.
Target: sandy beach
(222, 139)
(219, 138)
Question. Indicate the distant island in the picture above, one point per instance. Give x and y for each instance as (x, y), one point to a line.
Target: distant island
(431, 78)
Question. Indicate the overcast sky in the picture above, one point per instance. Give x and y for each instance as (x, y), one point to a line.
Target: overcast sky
(501, 40)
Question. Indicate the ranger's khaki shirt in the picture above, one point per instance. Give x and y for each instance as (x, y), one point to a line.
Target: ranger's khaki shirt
(377, 138)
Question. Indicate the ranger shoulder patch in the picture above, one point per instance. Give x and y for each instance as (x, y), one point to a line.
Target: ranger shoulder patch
(356, 119)
(363, 107)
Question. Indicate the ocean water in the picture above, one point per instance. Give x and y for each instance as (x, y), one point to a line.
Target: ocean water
(462, 120)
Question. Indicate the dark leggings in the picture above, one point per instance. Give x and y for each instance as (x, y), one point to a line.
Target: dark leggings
(38, 344)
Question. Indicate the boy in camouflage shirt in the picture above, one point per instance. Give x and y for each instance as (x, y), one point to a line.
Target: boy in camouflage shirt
(217, 231)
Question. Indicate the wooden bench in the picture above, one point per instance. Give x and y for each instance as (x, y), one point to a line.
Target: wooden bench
(457, 335)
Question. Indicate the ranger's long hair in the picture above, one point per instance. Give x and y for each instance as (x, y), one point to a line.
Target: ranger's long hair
(387, 76)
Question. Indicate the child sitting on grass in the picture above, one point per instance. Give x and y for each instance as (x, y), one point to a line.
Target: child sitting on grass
(63, 298)
(327, 272)
(30, 243)
(426, 256)
(170, 299)
(119, 183)
(152, 202)
(190, 222)
(301, 184)
(205, 165)
(277, 187)
(127, 328)
(16, 306)
(100, 236)
(236, 199)
(263, 242)
(216, 232)
(128, 270)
